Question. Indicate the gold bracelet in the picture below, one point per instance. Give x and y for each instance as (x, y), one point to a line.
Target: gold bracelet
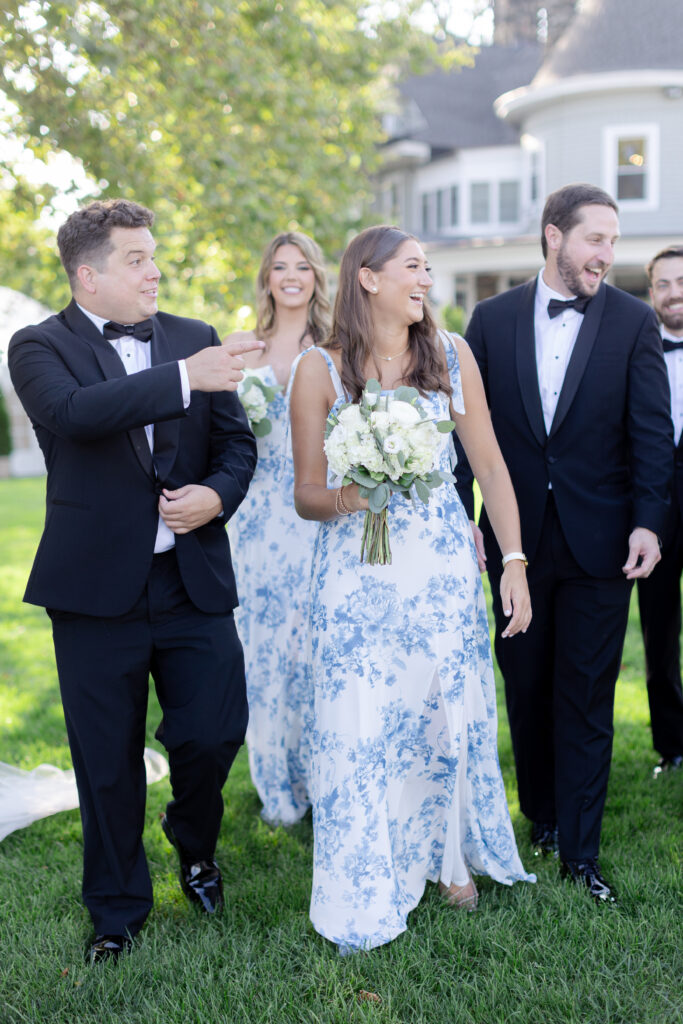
(339, 505)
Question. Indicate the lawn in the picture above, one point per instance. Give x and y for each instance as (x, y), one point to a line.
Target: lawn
(532, 954)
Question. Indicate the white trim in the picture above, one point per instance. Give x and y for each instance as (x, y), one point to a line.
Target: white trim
(518, 102)
(610, 138)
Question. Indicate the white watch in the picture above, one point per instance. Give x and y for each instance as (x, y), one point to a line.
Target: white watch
(514, 556)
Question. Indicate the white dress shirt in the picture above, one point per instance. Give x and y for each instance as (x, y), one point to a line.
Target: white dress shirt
(555, 340)
(674, 366)
(136, 355)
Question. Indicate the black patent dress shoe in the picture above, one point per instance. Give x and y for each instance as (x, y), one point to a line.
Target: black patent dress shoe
(667, 764)
(108, 947)
(200, 881)
(587, 872)
(544, 838)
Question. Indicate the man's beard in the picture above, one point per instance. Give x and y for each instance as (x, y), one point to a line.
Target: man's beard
(672, 321)
(571, 276)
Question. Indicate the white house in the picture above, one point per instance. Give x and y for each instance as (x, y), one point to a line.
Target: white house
(468, 163)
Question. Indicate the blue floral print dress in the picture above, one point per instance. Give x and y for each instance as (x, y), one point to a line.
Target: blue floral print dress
(271, 552)
(405, 780)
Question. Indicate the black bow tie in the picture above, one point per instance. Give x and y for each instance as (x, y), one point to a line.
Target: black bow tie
(670, 346)
(142, 331)
(556, 306)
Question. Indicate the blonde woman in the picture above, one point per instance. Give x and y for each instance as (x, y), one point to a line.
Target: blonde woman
(272, 547)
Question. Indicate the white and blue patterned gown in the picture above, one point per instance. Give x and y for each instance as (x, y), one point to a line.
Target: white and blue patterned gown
(271, 553)
(405, 780)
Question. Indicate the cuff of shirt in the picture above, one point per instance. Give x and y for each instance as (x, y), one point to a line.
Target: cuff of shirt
(184, 382)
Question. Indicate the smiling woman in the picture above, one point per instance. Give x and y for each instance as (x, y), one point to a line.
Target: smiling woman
(405, 782)
(271, 546)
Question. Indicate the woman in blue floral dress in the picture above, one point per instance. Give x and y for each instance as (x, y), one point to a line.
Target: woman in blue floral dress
(271, 546)
(405, 781)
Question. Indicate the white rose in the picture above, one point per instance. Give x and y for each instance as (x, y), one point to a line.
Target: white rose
(380, 420)
(352, 419)
(403, 413)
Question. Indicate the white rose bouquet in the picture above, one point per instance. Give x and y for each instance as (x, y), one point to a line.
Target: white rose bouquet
(255, 396)
(385, 444)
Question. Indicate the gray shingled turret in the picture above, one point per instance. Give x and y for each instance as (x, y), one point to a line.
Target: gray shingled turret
(617, 35)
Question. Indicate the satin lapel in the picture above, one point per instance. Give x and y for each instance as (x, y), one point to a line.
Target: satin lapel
(525, 353)
(166, 433)
(579, 357)
(111, 366)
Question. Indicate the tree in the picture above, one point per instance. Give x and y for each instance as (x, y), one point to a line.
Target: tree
(232, 120)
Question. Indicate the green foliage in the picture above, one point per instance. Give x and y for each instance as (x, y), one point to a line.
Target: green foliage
(231, 120)
(453, 318)
(5, 432)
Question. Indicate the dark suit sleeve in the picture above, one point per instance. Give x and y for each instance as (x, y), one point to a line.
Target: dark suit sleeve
(463, 473)
(650, 429)
(232, 448)
(55, 399)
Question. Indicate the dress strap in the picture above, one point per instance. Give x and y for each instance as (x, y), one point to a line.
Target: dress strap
(334, 375)
(453, 367)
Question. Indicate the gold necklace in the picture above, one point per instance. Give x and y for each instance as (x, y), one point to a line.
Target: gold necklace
(388, 359)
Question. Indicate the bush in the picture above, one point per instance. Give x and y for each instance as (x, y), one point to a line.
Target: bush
(453, 319)
(5, 431)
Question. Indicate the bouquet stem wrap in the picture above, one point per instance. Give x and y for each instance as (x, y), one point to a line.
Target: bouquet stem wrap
(375, 548)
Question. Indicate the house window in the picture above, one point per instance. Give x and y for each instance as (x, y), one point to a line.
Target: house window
(480, 205)
(631, 165)
(632, 168)
(454, 205)
(508, 202)
(439, 210)
(425, 213)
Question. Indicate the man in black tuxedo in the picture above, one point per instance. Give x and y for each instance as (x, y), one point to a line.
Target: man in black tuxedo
(659, 596)
(579, 400)
(148, 454)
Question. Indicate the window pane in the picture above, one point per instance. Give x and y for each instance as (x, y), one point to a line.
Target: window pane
(425, 213)
(632, 153)
(439, 210)
(630, 186)
(508, 201)
(479, 202)
(454, 204)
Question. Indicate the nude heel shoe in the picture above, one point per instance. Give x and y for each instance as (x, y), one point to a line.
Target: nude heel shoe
(464, 897)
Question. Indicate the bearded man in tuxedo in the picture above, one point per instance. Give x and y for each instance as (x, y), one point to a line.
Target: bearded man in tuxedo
(659, 596)
(148, 454)
(579, 399)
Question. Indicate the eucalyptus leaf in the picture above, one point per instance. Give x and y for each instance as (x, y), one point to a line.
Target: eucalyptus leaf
(379, 498)
(445, 426)
(262, 428)
(406, 394)
(422, 490)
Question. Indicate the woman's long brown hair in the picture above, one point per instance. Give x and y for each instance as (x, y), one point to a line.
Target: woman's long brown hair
(352, 329)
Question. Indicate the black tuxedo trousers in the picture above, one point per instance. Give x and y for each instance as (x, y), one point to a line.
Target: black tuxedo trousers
(659, 602)
(560, 679)
(104, 665)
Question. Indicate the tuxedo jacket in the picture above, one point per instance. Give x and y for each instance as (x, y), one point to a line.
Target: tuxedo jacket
(103, 483)
(609, 453)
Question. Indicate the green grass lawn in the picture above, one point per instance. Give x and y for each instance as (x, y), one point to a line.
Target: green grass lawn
(532, 954)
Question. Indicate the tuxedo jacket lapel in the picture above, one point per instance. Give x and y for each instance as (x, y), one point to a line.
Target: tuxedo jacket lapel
(166, 433)
(111, 366)
(579, 358)
(525, 354)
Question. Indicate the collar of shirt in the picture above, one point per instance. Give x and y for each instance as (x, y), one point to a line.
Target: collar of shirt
(99, 321)
(544, 293)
